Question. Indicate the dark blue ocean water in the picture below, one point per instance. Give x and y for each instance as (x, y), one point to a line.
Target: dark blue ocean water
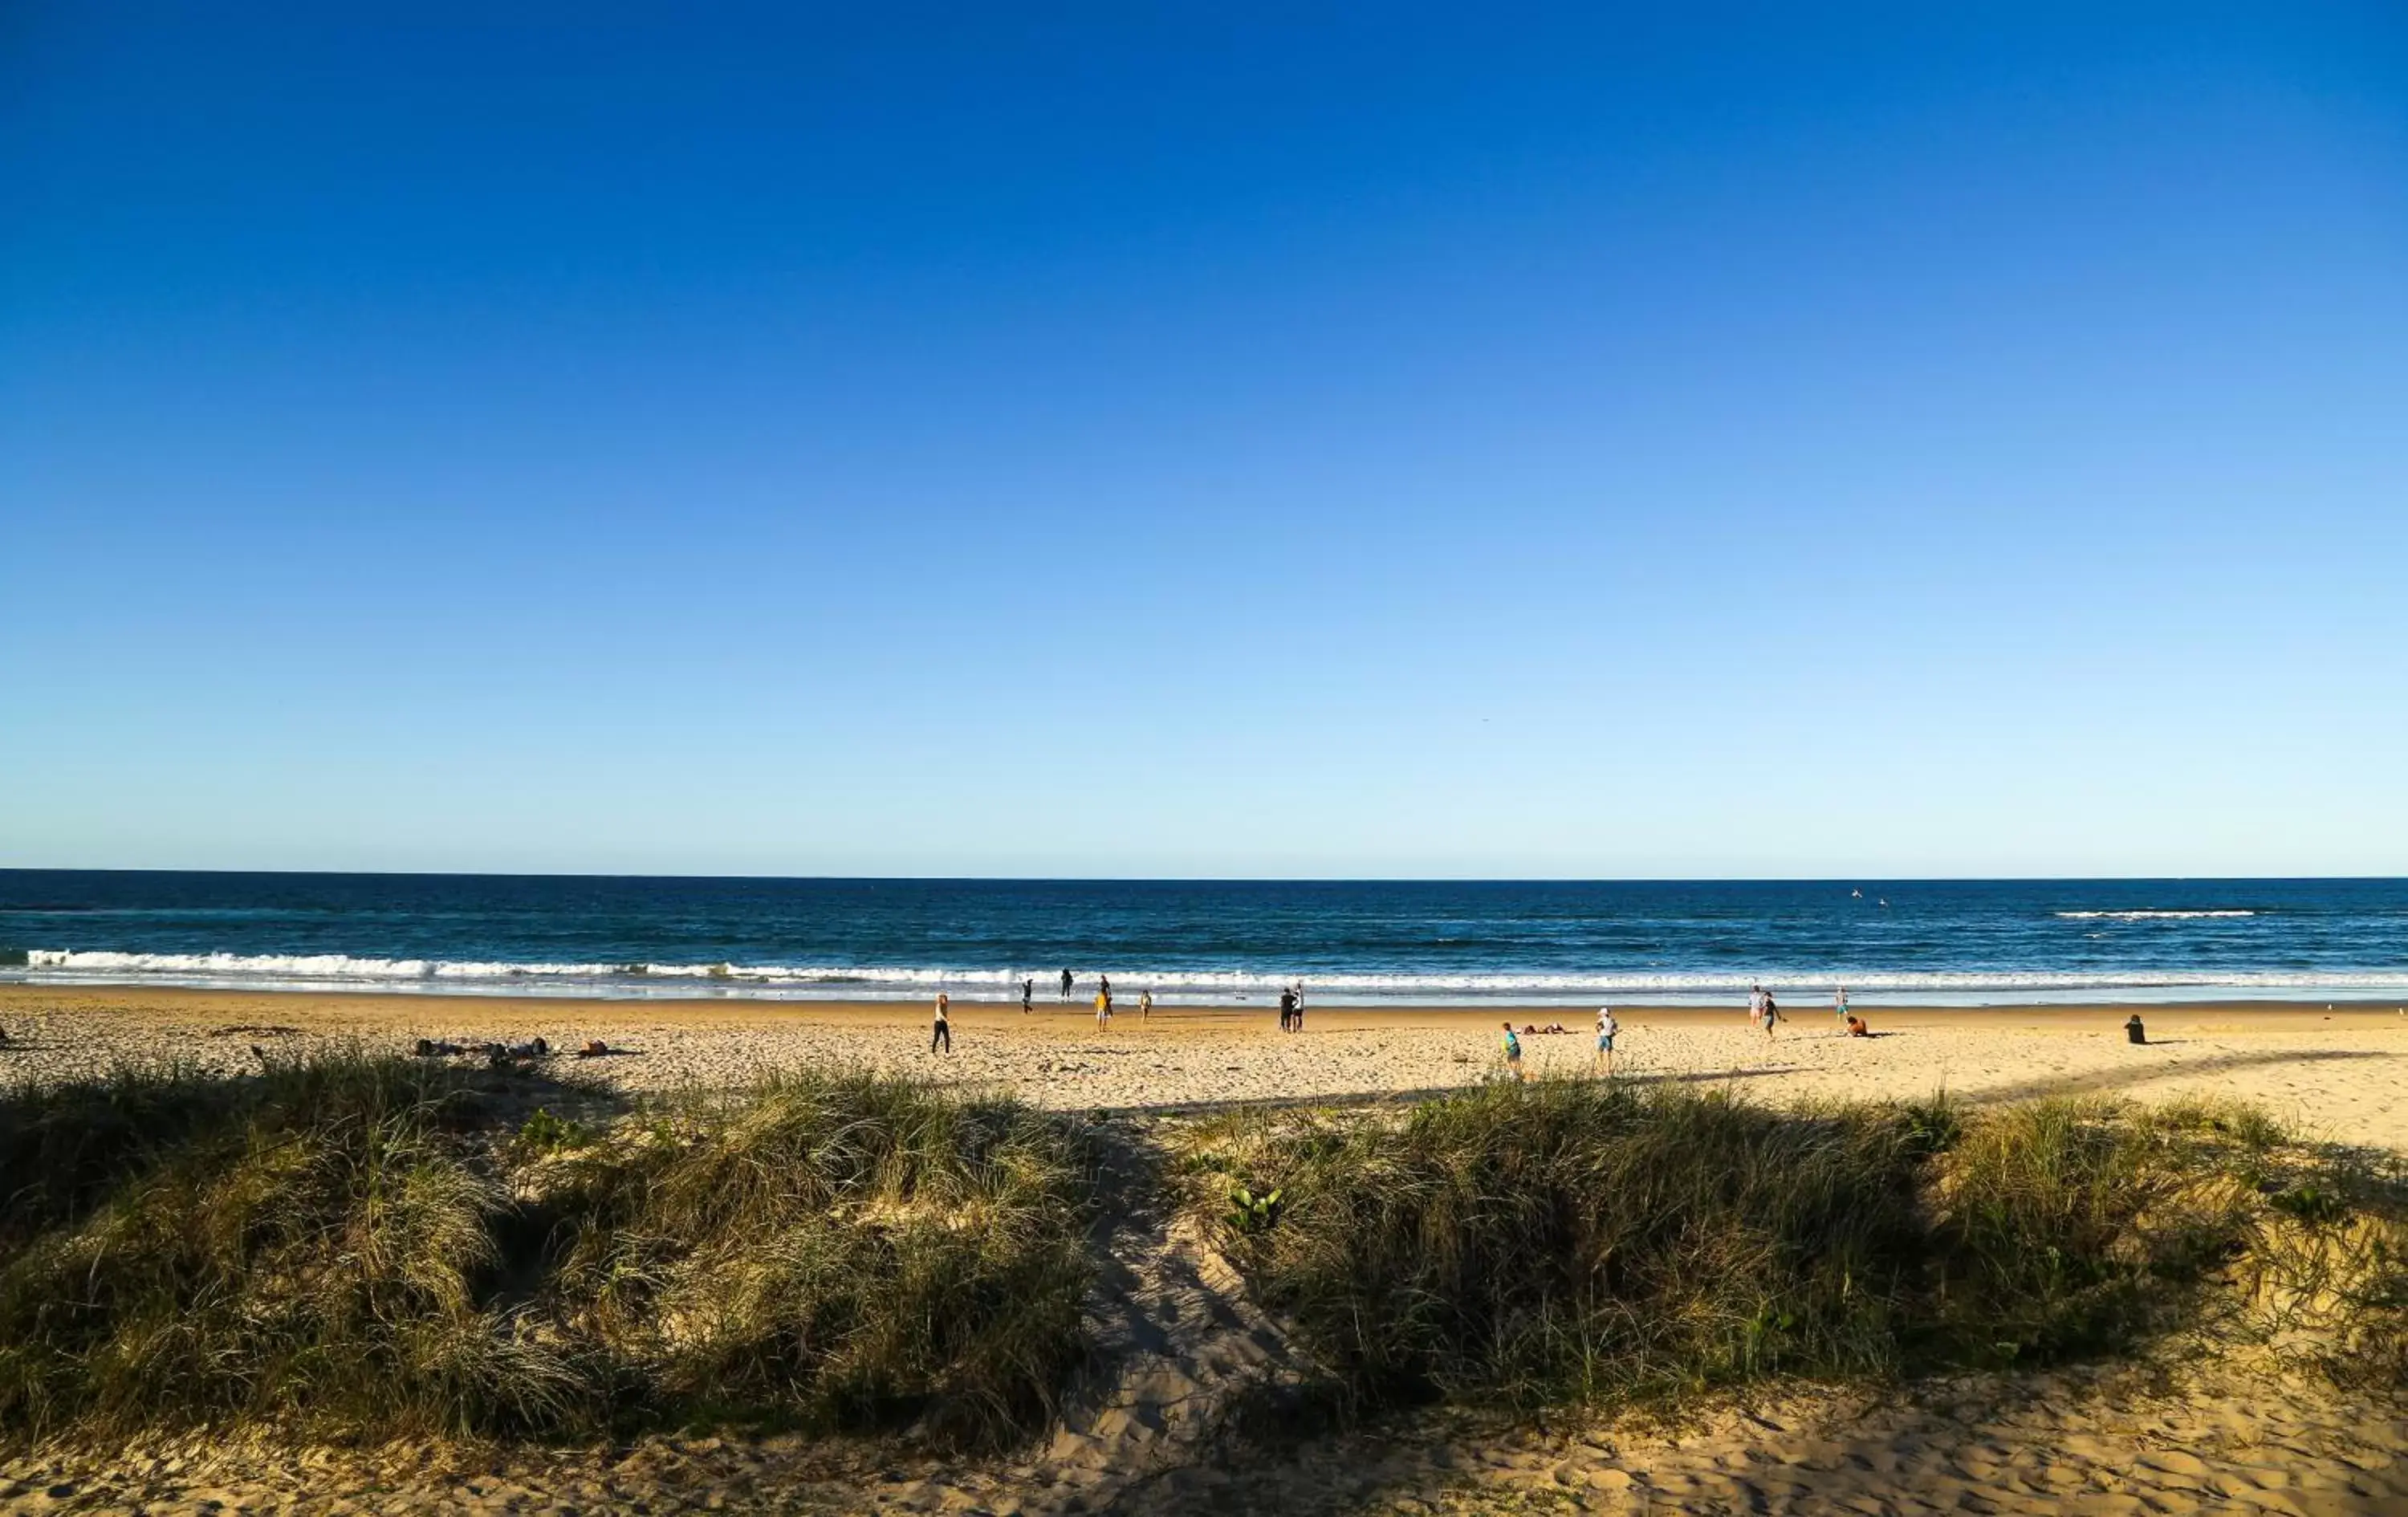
(1963, 942)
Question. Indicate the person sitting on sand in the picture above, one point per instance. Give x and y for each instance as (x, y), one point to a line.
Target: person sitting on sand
(942, 1032)
(1857, 1027)
(1512, 1052)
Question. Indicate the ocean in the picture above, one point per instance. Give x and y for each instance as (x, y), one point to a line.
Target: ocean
(1943, 942)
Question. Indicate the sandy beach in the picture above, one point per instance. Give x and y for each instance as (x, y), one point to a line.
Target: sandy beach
(1182, 1333)
(2341, 1074)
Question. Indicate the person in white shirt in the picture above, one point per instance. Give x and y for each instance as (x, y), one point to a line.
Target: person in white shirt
(1606, 1029)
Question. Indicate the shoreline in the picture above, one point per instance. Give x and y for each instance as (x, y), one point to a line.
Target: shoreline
(450, 1004)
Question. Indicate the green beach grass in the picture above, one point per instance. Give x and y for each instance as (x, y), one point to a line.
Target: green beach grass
(376, 1247)
(1568, 1243)
(366, 1248)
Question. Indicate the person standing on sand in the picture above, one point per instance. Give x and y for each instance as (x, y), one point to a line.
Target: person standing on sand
(1104, 1006)
(1756, 1005)
(1067, 983)
(1840, 1006)
(1512, 1052)
(1771, 1016)
(1104, 983)
(1145, 1005)
(1295, 1008)
(943, 1030)
(1287, 1007)
(1606, 1029)
(1027, 994)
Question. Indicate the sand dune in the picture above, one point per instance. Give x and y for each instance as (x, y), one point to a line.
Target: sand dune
(1182, 1338)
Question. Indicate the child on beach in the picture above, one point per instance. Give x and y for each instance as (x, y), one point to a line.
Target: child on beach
(1512, 1052)
(1606, 1029)
(942, 1032)
(1144, 1005)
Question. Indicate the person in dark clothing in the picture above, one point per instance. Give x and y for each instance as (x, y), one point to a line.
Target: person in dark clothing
(942, 1031)
(1067, 982)
(1287, 1009)
(1027, 994)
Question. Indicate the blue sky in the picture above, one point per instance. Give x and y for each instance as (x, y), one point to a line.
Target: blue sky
(1591, 441)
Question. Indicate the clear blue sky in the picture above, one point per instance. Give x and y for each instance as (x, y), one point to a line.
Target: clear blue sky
(1680, 439)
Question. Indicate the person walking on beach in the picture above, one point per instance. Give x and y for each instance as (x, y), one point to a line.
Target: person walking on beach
(1027, 994)
(1065, 984)
(1840, 1006)
(1287, 1009)
(1756, 1005)
(1145, 1005)
(1104, 983)
(942, 1032)
(1512, 1052)
(1606, 1029)
(1771, 1016)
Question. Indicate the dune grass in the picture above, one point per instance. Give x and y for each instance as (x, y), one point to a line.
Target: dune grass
(1572, 1243)
(373, 1247)
(835, 1253)
(304, 1245)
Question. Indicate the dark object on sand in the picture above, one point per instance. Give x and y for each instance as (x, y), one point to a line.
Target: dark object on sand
(594, 1049)
(2133, 1030)
(1857, 1027)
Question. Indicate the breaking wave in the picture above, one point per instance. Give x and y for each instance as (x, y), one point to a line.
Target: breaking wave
(872, 981)
(2148, 916)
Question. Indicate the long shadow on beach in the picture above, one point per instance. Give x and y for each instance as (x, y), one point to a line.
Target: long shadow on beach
(1425, 1092)
(2108, 1080)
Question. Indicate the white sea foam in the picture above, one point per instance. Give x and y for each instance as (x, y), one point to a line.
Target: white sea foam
(2148, 916)
(338, 970)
